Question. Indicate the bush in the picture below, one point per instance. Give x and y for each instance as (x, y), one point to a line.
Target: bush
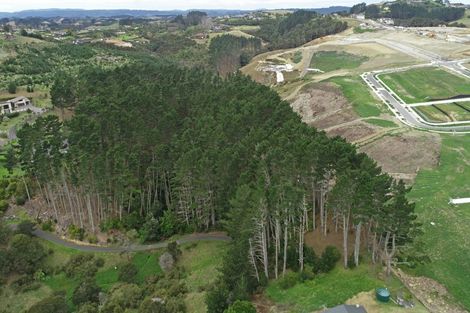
(54, 303)
(25, 228)
(20, 200)
(47, 225)
(127, 272)
(81, 265)
(76, 232)
(87, 291)
(26, 254)
(13, 114)
(328, 259)
(12, 87)
(92, 239)
(24, 283)
(241, 307)
(289, 280)
(3, 206)
(174, 250)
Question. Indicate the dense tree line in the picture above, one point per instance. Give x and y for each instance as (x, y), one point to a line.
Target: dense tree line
(228, 53)
(418, 14)
(298, 28)
(166, 150)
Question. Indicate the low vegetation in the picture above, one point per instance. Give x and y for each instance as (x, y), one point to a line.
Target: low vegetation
(426, 84)
(328, 61)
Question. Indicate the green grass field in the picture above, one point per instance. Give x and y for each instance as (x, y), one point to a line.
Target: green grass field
(426, 84)
(357, 92)
(201, 261)
(451, 112)
(447, 242)
(326, 290)
(381, 123)
(328, 61)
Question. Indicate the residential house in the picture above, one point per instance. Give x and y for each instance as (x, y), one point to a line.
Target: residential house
(18, 104)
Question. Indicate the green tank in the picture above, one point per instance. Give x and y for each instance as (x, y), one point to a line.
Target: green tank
(382, 294)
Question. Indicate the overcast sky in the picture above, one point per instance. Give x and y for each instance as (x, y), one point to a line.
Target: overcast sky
(18, 5)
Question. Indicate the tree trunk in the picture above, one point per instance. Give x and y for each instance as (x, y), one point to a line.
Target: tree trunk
(345, 239)
(357, 243)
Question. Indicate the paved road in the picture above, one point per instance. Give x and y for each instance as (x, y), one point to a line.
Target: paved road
(404, 113)
(130, 248)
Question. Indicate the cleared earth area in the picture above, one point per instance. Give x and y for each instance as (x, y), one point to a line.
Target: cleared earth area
(426, 84)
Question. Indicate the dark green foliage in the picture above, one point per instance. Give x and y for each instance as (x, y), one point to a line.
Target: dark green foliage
(174, 250)
(25, 254)
(122, 297)
(24, 283)
(298, 28)
(4, 205)
(52, 304)
(127, 272)
(358, 8)
(88, 308)
(328, 259)
(228, 53)
(86, 291)
(217, 299)
(82, 265)
(76, 232)
(289, 280)
(241, 307)
(25, 228)
(12, 87)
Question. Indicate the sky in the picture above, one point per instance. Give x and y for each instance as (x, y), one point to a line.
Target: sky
(18, 5)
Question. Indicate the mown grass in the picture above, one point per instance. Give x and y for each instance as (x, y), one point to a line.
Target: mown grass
(431, 114)
(329, 61)
(326, 290)
(381, 123)
(426, 84)
(359, 95)
(447, 242)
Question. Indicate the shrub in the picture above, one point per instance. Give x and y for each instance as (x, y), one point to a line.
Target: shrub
(54, 303)
(127, 272)
(174, 250)
(3, 206)
(169, 224)
(241, 307)
(92, 239)
(81, 265)
(20, 200)
(13, 115)
(289, 280)
(12, 87)
(328, 259)
(24, 283)
(26, 254)
(87, 291)
(25, 228)
(76, 232)
(47, 225)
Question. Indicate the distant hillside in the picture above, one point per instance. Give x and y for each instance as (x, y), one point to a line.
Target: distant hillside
(78, 13)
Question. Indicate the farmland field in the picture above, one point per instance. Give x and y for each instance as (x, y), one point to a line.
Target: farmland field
(426, 84)
(328, 61)
(446, 240)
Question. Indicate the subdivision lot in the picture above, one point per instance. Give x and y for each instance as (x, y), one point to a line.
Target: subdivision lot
(426, 84)
(452, 112)
(328, 61)
(445, 227)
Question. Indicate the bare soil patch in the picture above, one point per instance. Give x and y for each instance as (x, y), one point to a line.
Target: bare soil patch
(405, 153)
(433, 295)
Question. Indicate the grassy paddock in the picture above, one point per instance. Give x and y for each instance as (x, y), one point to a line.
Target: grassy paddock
(327, 290)
(446, 242)
(357, 92)
(426, 84)
(381, 123)
(329, 61)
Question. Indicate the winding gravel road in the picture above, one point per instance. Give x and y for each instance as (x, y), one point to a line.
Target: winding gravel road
(130, 248)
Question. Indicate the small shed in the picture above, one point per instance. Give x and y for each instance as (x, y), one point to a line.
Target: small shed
(382, 294)
(346, 308)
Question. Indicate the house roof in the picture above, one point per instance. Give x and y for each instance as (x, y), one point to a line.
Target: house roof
(18, 99)
(346, 308)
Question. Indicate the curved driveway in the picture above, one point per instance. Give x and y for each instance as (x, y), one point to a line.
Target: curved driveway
(130, 248)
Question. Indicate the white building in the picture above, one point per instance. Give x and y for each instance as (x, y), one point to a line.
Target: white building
(18, 104)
